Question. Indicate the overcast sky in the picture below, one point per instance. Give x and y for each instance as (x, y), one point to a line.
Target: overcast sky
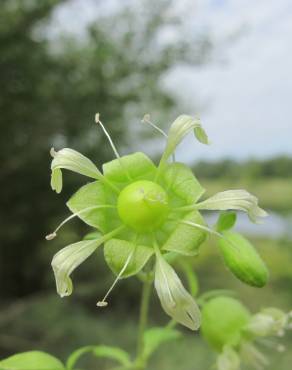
(246, 90)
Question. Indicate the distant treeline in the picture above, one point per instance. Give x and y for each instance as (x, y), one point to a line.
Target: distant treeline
(280, 167)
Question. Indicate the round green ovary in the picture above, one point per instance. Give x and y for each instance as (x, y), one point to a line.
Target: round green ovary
(143, 205)
(223, 319)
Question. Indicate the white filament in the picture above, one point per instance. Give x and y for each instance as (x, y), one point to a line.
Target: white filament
(103, 302)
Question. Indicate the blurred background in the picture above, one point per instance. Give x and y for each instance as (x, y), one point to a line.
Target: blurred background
(62, 61)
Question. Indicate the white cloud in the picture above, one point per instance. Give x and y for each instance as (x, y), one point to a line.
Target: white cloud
(249, 93)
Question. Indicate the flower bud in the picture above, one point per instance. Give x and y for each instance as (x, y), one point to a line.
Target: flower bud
(223, 320)
(243, 260)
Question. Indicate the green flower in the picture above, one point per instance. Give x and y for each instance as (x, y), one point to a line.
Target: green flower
(232, 331)
(142, 212)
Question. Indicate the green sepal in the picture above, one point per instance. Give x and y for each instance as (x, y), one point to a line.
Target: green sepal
(155, 337)
(180, 180)
(112, 353)
(117, 251)
(136, 166)
(33, 360)
(226, 221)
(90, 195)
(243, 260)
(186, 239)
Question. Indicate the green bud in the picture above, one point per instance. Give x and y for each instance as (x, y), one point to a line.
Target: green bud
(243, 260)
(223, 319)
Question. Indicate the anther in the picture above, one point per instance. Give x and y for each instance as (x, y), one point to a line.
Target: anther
(51, 236)
(103, 302)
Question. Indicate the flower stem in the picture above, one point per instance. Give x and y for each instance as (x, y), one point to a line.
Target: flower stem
(144, 308)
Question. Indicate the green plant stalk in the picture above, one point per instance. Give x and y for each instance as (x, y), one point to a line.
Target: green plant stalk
(144, 309)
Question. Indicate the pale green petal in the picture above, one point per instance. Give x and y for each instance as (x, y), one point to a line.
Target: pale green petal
(68, 259)
(178, 130)
(269, 322)
(236, 200)
(71, 160)
(57, 180)
(174, 298)
(228, 360)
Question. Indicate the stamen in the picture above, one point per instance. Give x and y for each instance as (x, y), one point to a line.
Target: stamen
(103, 302)
(98, 121)
(54, 233)
(147, 119)
(211, 231)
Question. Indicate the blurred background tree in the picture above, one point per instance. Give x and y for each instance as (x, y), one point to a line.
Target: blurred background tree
(50, 93)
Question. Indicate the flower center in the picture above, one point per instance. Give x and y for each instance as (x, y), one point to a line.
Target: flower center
(143, 205)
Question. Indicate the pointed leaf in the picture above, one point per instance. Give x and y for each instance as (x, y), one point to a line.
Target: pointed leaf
(186, 239)
(117, 251)
(226, 221)
(33, 360)
(112, 353)
(155, 337)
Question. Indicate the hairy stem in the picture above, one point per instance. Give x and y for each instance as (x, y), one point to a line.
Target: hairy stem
(144, 308)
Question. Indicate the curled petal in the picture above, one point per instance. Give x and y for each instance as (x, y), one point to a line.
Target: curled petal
(228, 360)
(72, 160)
(178, 130)
(236, 200)
(269, 322)
(68, 259)
(175, 300)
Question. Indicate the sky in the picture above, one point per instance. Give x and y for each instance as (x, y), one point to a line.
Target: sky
(245, 90)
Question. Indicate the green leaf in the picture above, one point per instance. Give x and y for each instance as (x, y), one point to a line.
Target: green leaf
(90, 195)
(33, 360)
(186, 239)
(243, 260)
(117, 252)
(137, 165)
(191, 277)
(155, 337)
(226, 221)
(180, 180)
(112, 353)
